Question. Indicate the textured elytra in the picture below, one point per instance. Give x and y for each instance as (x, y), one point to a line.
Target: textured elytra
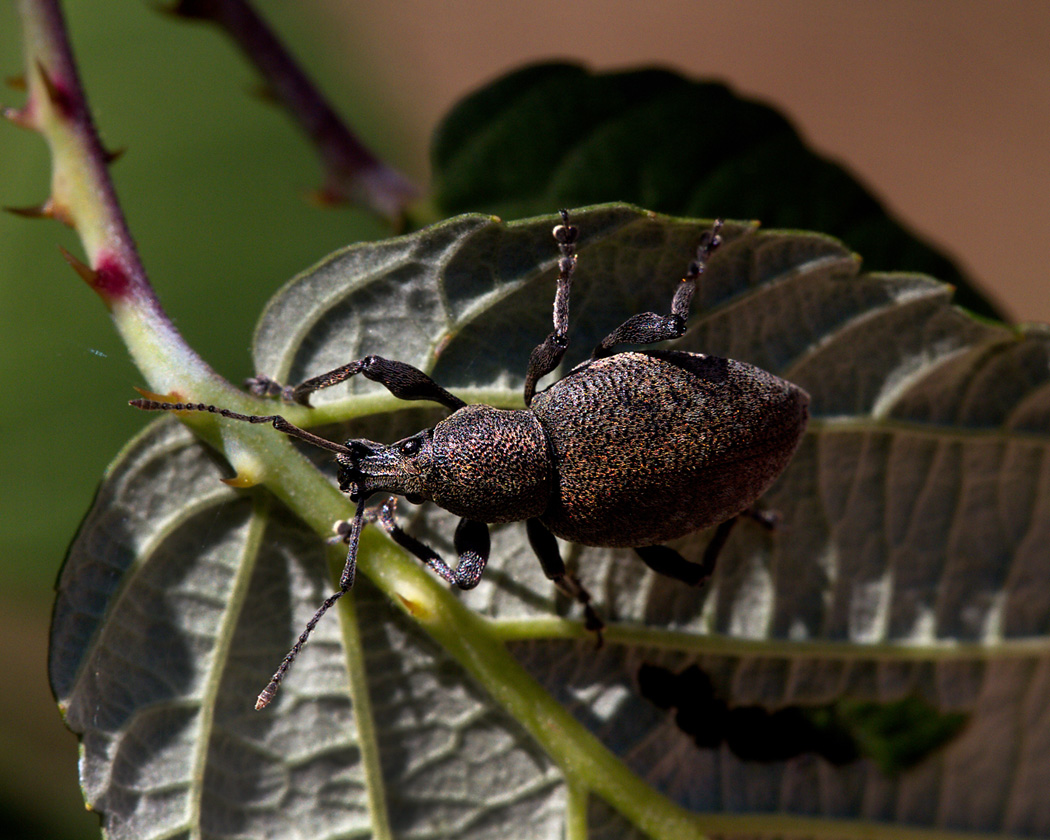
(649, 447)
(914, 512)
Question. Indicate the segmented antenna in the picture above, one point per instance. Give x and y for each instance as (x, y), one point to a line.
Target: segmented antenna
(346, 580)
(275, 420)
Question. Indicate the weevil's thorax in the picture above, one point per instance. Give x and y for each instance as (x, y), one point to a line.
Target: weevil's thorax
(489, 465)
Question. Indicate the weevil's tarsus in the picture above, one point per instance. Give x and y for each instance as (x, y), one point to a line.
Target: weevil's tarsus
(648, 327)
(547, 355)
(346, 582)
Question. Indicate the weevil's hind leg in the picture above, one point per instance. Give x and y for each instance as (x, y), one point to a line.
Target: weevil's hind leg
(402, 380)
(471, 542)
(668, 562)
(648, 327)
(546, 548)
(547, 355)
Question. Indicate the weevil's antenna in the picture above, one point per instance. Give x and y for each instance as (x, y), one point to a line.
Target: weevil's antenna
(346, 581)
(278, 422)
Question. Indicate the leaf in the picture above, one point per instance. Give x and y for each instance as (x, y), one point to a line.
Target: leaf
(911, 562)
(556, 135)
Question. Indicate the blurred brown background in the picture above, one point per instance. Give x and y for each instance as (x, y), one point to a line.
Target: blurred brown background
(942, 107)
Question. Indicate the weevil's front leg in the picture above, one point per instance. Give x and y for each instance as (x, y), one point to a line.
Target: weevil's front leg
(546, 548)
(351, 534)
(402, 380)
(546, 356)
(471, 542)
(648, 327)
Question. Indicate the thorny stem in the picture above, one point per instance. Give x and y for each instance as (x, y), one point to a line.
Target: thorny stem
(352, 172)
(83, 197)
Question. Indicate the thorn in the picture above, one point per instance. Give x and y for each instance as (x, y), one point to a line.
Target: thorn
(49, 209)
(414, 608)
(326, 197)
(239, 480)
(184, 9)
(87, 274)
(112, 155)
(20, 117)
(34, 211)
(173, 397)
(16, 82)
(264, 93)
(55, 94)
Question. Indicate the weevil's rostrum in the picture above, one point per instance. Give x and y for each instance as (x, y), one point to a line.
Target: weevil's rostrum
(629, 449)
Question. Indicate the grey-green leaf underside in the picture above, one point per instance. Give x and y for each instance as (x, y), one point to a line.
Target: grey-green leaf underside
(912, 561)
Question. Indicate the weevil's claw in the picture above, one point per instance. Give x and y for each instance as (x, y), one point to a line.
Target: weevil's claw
(593, 622)
(262, 385)
(341, 531)
(768, 519)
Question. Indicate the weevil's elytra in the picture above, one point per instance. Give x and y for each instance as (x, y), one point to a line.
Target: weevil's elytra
(629, 449)
(652, 446)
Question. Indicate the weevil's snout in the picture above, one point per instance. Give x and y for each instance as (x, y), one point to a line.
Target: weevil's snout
(372, 467)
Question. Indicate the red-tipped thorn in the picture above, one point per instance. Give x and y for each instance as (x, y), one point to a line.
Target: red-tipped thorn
(19, 117)
(109, 280)
(87, 274)
(59, 98)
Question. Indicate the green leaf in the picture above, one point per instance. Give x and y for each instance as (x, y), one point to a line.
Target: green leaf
(911, 562)
(556, 135)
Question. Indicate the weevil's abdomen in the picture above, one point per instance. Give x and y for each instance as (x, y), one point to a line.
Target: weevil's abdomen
(650, 446)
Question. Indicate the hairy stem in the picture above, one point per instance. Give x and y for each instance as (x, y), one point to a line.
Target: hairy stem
(83, 197)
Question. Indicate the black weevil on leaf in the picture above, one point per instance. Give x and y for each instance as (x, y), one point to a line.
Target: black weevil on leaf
(629, 449)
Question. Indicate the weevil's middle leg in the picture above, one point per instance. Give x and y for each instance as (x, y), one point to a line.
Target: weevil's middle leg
(546, 548)
(648, 327)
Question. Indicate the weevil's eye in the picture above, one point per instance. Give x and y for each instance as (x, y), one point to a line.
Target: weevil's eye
(409, 447)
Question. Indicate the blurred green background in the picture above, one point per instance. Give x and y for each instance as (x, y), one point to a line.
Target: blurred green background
(218, 228)
(944, 106)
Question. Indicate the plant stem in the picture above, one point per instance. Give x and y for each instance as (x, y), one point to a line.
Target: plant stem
(352, 172)
(83, 197)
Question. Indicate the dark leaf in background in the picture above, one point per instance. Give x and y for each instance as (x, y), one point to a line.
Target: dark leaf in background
(556, 135)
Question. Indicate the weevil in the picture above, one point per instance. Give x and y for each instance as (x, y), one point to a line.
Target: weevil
(628, 449)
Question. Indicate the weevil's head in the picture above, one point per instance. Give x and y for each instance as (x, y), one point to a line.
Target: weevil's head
(400, 468)
(483, 463)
